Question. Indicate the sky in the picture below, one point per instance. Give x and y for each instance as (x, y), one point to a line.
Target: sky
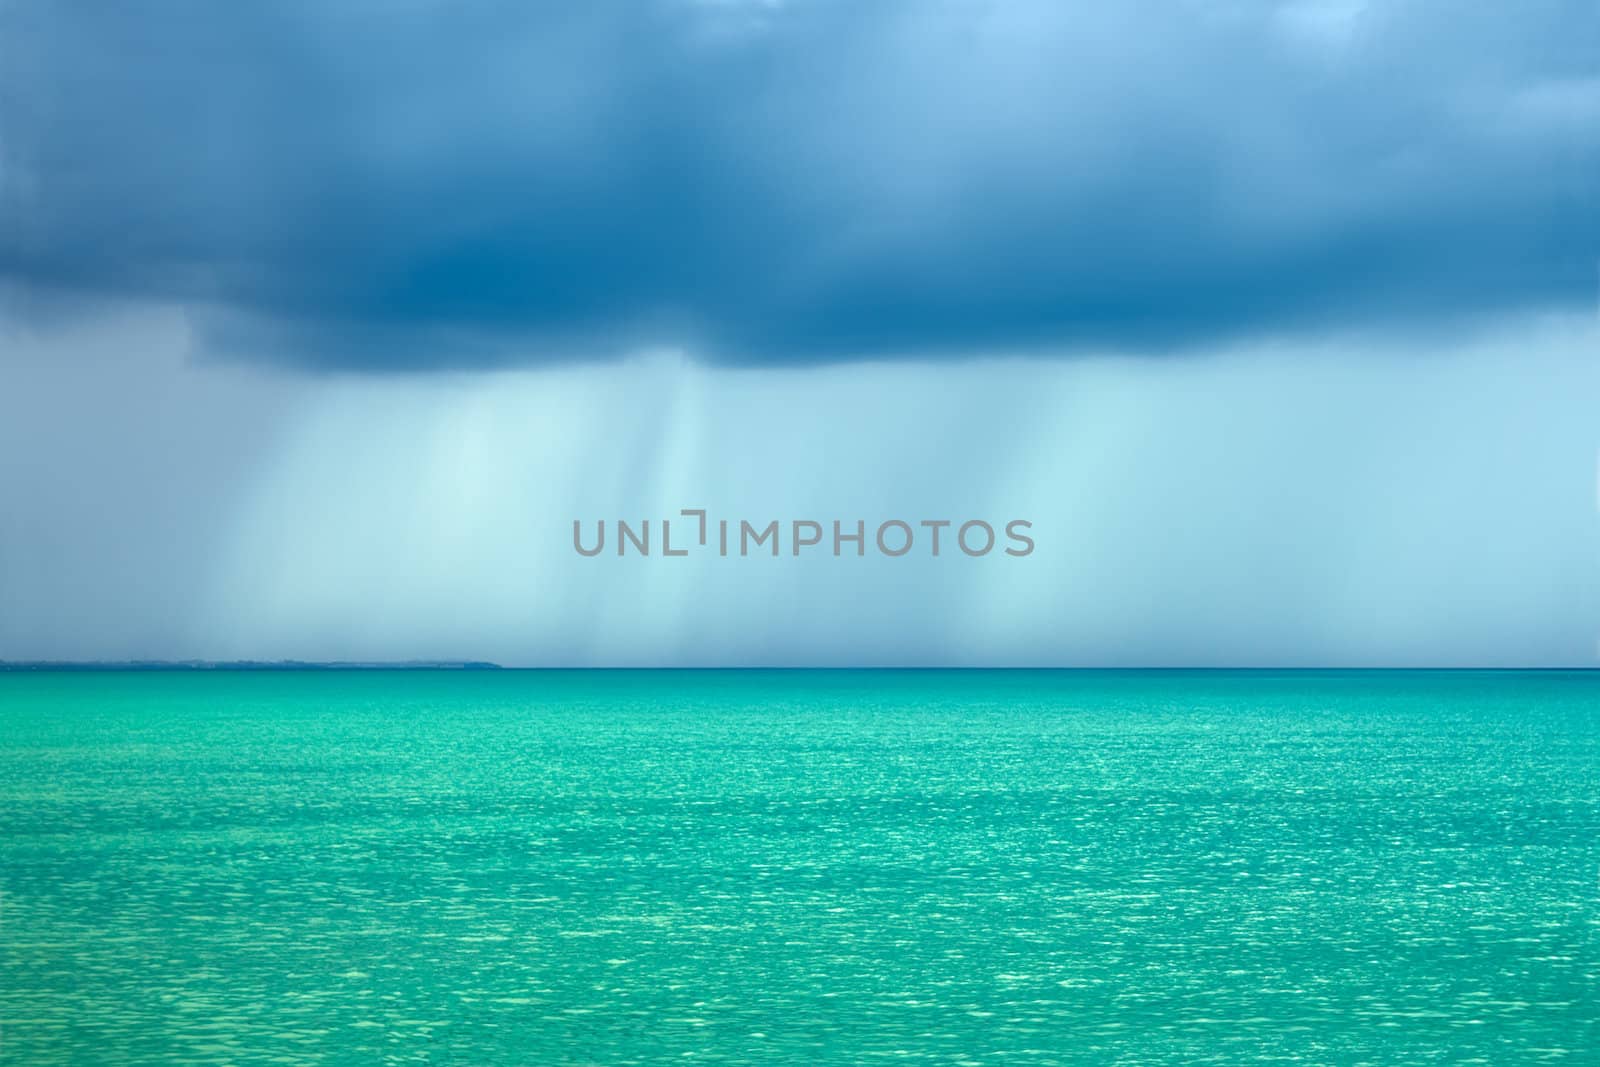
(1278, 322)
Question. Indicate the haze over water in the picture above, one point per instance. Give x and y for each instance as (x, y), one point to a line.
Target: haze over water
(826, 867)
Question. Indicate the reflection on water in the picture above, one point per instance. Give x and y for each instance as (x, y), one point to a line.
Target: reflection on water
(976, 868)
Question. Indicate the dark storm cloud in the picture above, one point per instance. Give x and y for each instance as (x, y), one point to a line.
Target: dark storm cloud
(392, 185)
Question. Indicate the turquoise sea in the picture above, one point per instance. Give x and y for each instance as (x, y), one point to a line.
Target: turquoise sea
(806, 867)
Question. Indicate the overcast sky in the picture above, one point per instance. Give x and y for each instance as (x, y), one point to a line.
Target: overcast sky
(320, 324)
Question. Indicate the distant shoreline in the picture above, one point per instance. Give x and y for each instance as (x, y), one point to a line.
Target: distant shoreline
(246, 665)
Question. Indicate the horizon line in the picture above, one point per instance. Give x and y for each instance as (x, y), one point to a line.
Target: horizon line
(450, 665)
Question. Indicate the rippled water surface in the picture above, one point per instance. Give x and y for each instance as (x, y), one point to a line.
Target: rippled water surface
(639, 867)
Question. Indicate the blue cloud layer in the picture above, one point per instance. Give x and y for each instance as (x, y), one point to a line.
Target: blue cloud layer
(412, 185)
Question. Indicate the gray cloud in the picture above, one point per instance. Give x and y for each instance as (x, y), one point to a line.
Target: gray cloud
(388, 186)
